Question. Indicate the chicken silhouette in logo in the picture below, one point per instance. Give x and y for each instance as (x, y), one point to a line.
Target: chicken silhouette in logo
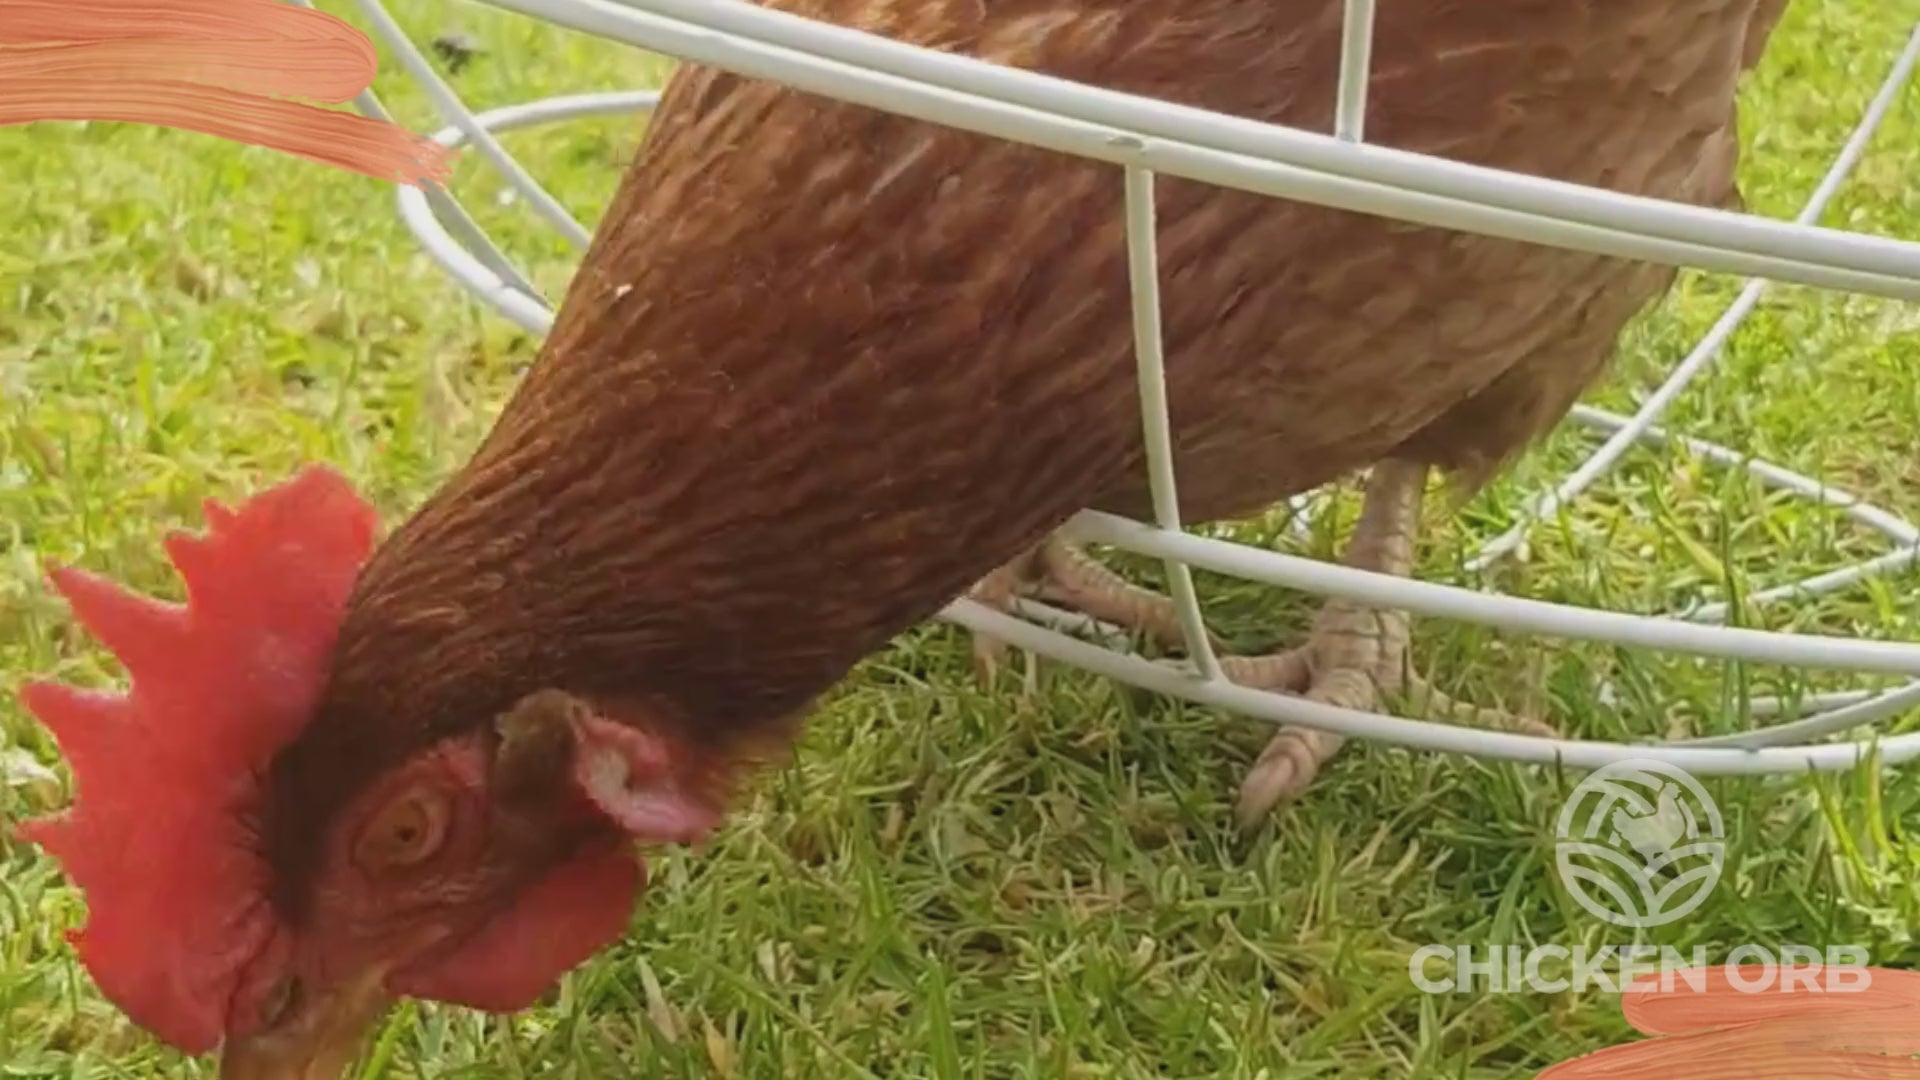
(1653, 835)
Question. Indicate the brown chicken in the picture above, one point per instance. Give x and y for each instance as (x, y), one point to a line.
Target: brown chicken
(823, 370)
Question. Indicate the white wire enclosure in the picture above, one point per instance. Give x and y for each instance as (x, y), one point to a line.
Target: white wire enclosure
(1144, 137)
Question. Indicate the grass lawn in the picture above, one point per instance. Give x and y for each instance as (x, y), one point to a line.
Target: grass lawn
(951, 880)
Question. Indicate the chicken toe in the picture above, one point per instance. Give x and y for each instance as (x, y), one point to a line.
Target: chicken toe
(1354, 655)
(1060, 573)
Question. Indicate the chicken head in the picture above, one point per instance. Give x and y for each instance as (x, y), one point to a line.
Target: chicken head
(474, 871)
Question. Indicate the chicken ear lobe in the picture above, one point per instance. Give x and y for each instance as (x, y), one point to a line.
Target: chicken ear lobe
(552, 927)
(646, 784)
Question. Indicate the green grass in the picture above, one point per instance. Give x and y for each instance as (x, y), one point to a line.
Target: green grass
(950, 881)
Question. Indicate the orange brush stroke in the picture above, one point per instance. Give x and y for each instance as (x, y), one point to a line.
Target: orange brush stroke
(1721, 1033)
(219, 67)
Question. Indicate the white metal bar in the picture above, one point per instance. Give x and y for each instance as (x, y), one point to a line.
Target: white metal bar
(525, 307)
(1775, 705)
(1507, 612)
(871, 54)
(445, 205)
(1356, 67)
(1817, 585)
(1895, 527)
(1143, 274)
(455, 112)
(1418, 734)
(1180, 157)
(1349, 125)
(1844, 709)
(1716, 339)
(1899, 529)
(1858, 714)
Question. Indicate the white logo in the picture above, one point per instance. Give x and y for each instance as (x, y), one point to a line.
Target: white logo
(1640, 843)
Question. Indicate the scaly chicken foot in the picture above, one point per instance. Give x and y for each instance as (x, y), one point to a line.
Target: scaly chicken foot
(1354, 656)
(1060, 573)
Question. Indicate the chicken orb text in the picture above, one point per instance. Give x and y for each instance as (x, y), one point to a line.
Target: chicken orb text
(1751, 969)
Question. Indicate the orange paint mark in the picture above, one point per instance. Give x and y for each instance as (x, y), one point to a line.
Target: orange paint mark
(1782, 1032)
(219, 67)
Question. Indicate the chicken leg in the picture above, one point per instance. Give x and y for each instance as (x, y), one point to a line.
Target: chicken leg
(1354, 655)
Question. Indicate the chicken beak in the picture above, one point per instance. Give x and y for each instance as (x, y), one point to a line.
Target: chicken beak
(318, 1041)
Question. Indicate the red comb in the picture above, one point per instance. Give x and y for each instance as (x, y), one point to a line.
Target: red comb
(168, 775)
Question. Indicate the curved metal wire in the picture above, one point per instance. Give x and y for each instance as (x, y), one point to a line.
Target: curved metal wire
(1710, 346)
(1143, 136)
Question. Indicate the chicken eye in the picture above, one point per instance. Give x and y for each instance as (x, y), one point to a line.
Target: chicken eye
(406, 831)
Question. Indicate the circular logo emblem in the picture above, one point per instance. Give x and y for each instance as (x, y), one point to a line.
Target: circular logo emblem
(1640, 844)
